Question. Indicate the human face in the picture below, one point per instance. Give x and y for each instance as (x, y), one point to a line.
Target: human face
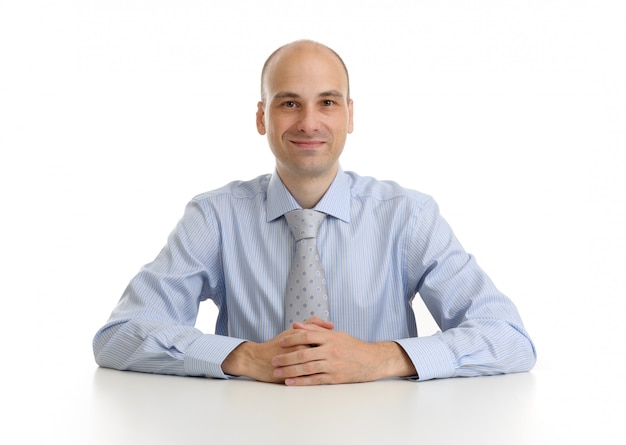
(307, 114)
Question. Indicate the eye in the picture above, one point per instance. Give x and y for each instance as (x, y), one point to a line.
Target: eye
(289, 104)
(328, 103)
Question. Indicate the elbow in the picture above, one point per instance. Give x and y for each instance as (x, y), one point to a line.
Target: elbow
(524, 356)
(530, 355)
(511, 351)
(103, 346)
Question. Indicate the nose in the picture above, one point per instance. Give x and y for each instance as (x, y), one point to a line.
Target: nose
(309, 122)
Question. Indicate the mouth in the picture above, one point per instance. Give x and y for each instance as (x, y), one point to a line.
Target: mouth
(308, 144)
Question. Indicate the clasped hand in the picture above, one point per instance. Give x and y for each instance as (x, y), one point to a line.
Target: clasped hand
(318, 355)
(312, 353)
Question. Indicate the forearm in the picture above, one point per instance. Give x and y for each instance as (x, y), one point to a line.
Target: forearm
(393, 361)
(480, 349)
(150, 346)
(249, 360)
(381, 360)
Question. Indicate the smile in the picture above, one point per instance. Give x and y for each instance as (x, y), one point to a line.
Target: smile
(307, 143)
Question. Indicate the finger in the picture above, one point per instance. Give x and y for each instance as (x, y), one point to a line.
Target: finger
(306, 336)
(301, 370)
(319, 322)
(309, 380)
(294, 349)
(313, 327)
(299, 357)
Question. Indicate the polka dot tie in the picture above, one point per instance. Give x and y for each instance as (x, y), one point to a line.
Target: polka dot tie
(307, 295)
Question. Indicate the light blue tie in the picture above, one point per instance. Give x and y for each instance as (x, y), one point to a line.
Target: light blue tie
(307, 294)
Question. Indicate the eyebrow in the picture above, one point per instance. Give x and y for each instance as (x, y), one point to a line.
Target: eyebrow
(290, 95)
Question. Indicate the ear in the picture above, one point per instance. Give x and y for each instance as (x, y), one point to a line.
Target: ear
(260, 119)
(350, 116)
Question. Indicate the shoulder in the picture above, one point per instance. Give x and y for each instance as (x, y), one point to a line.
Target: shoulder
(236, 190)
(369, 188)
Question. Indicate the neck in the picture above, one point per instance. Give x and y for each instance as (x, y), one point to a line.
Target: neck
(307, 191)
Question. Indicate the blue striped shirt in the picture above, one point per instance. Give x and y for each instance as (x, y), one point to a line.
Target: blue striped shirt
(380, 246)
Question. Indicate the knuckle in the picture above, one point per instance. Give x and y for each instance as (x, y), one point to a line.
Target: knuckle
(319, 379)
(301, 355)
(309, 368)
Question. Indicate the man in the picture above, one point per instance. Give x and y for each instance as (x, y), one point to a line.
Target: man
(379, 245)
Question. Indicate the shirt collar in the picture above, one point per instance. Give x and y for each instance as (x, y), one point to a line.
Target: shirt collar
(335, 202)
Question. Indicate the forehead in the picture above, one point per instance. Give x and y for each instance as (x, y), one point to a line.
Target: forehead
(305, 69)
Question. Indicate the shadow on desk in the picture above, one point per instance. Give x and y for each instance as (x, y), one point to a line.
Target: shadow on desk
(144, 408)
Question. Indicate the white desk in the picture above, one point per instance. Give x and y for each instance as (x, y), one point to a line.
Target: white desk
(77, 403)
(135, 408)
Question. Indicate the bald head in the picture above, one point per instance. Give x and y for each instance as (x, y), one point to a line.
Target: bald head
(298, 48)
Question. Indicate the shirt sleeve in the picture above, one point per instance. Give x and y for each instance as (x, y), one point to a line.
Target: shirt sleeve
(481, 330)
(152, 327)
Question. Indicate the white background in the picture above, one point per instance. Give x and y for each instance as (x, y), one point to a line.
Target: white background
(512, 114)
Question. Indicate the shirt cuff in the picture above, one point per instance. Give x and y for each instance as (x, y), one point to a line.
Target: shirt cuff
(207, 353)
(430, 356)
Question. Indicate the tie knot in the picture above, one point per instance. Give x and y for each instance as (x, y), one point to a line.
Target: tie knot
(304, 223)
